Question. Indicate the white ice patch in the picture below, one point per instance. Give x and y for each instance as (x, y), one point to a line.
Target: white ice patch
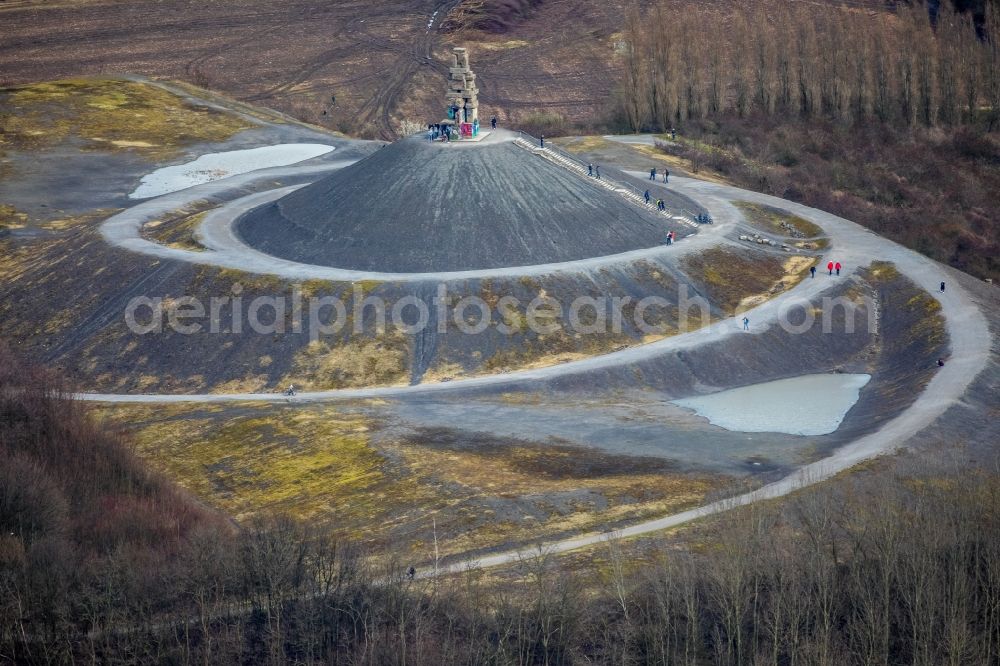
(806, 405)
(215, 166)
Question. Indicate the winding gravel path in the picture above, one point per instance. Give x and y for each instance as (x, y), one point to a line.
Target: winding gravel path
(852, 245)
(970, 349)
(227, 250)
(216, 232)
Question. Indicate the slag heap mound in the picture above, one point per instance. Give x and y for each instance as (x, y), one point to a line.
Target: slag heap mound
(415, 206)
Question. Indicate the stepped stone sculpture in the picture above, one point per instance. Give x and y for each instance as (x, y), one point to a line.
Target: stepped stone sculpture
(462, 95)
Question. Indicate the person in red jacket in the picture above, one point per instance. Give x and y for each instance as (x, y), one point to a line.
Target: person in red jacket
(829, 267)
(837, 266)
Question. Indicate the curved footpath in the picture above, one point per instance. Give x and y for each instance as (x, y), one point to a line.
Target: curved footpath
(227, 250)
(970, 349)
(852, 245)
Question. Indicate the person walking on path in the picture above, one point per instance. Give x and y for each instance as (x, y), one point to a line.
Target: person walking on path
(597, 170)
(829, 267)
(942, 287)
(646, 197)
(746, 323)
(837, 266)
(812, 271)
(652, 174)
(541, 141)
(590, 169)
(666, 174)
(493, 122)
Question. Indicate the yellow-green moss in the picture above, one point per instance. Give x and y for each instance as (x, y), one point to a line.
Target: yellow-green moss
(303, 463)
(317, 287)
(367, 286)
(321, 463)
(179, 234)
(736, 280)
(251, 282)
(361, 361)
(11, 218)
(883, 271)
(109, 114)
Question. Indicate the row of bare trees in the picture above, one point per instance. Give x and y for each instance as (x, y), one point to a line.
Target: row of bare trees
(810, 60)
(906, 574)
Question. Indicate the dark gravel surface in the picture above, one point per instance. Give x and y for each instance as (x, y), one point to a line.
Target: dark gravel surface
(420, 207)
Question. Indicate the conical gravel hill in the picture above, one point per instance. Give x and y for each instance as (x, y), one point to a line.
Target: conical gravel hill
(416, 206)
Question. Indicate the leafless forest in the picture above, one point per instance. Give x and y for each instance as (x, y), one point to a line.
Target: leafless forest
(889, 119)
(100, 561)
(781, 58)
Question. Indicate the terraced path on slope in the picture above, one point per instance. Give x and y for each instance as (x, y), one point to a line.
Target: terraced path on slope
(852, 245)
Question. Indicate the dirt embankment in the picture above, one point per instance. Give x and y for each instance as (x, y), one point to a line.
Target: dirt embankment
(66, 297)
(910, 338)
(893, 332)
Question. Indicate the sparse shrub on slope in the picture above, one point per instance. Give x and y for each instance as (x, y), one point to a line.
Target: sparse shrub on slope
(83, 524)
(62, 474)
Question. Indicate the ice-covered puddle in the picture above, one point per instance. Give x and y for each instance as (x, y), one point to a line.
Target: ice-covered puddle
(806, 405)
(215, 166)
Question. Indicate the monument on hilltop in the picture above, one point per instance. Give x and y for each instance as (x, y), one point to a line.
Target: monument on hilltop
(462, 95)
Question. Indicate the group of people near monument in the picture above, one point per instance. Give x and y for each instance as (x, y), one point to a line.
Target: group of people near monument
(447, 132)
(440, 131)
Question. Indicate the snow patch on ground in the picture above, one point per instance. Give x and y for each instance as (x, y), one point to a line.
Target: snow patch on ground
(215, 166)
(806, 405)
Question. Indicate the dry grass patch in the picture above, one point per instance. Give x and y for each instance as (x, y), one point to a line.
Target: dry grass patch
(324, 464)
(108, 115)
(523, 492)
(178, 232)
(74, 221)
(583, 144)
(553, 349)
(502, 46)
(11, 218)
(736, 280)
(442, 372)
(778, 221)
(312, 465)
(361, 361)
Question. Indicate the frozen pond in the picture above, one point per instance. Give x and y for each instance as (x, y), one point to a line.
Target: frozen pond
(215, 166)
(806, 405)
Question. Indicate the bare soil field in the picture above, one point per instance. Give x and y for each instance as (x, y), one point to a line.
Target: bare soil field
(358, 67)
(347, 65)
